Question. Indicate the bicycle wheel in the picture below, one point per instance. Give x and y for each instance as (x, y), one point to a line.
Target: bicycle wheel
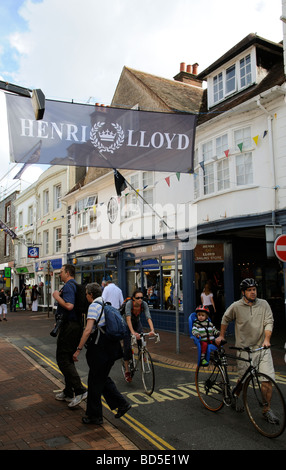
(147, 372)
(259, 397)
(210, 385)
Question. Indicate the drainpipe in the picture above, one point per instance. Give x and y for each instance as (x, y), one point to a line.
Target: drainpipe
(271, 152)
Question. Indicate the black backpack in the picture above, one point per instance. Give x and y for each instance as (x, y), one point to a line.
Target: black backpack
(81, 304)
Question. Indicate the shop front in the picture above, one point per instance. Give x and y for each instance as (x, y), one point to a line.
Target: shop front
(95, 267)
(47, 280)
(154, 269)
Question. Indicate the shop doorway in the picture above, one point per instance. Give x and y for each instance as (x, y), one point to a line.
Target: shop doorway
(213, 275)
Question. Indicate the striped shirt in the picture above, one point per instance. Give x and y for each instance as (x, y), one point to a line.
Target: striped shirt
(94, 311)
(205, 329)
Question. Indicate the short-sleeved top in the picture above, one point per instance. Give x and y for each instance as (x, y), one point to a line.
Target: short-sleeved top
(68, 295)
(94, 311)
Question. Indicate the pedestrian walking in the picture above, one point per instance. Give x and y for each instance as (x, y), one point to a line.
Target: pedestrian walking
(3, 305)
(68, 338)
(101, 355)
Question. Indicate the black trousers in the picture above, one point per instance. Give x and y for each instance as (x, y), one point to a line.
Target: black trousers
(68, 339)
(100, 358)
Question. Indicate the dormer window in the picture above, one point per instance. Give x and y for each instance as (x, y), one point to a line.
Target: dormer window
(232, 79)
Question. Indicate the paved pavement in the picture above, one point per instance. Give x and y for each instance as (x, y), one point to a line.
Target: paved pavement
(31, 418)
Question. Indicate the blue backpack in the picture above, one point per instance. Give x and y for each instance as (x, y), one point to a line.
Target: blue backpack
(115, 326)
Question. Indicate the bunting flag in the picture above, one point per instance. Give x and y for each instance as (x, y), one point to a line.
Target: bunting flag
(240, 146)
(265, 134)
(202, 165)
(255, 139)
(226, 152)
(178, 176)
(168, 180)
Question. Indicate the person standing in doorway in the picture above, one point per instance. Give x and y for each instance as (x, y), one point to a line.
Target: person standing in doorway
(207, 300)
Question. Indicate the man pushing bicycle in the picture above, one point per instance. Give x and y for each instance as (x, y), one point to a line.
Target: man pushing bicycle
(253, 328)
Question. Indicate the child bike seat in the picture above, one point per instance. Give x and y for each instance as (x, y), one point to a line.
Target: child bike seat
(210, 348)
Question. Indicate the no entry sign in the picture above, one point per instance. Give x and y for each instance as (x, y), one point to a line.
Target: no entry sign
(280, 247)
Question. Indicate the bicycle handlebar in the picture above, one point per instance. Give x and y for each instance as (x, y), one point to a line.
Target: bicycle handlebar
(156, 335)
(248, 349)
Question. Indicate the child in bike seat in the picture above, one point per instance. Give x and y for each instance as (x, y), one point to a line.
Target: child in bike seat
(204, 330)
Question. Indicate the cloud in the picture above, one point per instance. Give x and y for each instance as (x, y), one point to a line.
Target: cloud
(76, 49)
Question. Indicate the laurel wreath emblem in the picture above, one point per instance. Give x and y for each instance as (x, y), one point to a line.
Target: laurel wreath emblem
(98, 144)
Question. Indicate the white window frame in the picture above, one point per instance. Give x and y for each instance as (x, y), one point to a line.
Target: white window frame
(132, 204)
(86, 213)
(244, 169)
(46, 203)
(58, 239)
(220, 172)
(57, 197)
(218, 81)
(46, 242)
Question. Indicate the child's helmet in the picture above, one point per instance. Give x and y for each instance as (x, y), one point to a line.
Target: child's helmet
(202, 308)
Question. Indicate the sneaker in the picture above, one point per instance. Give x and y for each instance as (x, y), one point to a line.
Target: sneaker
(270, 417)
(204, 362)
(128, 377)
(77, 399)
(62, 397)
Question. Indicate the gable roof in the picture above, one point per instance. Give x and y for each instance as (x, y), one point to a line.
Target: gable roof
(171, 95)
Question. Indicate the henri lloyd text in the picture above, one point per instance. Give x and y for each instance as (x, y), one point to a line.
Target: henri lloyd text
(81, 134)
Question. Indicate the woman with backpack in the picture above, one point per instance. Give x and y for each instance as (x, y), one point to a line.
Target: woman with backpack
(133, 309)
(100, 355)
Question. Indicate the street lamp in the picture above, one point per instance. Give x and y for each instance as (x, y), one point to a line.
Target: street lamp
(37, 97)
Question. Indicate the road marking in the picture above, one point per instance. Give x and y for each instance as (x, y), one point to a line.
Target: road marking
(157, 441)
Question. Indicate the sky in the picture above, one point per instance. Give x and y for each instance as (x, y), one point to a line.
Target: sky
(76, 49)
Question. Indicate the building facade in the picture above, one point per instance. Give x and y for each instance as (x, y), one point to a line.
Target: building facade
(235, 194)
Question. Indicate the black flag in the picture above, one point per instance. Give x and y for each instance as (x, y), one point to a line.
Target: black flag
(120, 182)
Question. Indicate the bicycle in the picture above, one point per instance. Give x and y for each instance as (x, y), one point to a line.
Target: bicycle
(214, 391)
(144, 359)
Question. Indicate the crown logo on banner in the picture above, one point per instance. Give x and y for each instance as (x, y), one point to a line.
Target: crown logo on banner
(107, 136)
(97, 137)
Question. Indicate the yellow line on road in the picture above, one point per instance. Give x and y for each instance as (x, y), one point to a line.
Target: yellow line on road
(133, 423)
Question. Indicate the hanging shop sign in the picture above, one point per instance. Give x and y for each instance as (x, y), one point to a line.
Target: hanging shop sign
(209, 252)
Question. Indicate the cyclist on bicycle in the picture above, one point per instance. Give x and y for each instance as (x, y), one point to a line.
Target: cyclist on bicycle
(253, 328)
(133, 309)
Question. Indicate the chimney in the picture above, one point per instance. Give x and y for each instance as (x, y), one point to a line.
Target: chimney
(195, 68)
(182, 67)
(188, 75)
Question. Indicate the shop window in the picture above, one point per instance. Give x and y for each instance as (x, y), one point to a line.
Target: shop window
(156, 278)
